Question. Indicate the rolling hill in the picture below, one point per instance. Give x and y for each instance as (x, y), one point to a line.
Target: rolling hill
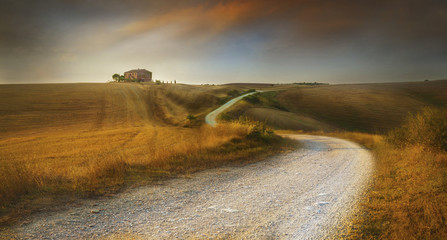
(372, 108)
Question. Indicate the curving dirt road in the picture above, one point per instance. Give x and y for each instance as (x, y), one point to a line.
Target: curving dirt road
(300, 195)
(210, 119)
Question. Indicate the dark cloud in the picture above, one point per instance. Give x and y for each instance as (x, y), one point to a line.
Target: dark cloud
(58, 32)
(26, 22)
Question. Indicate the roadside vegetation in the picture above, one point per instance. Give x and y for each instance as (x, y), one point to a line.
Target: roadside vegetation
(408, 196)
(62, 142)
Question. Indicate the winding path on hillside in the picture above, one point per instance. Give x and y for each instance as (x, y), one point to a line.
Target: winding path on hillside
(300, 195)
(211, 118)
(304, 194)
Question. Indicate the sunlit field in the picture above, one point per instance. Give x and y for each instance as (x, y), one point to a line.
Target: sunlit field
(71, 160)
(408, 195)
(90, 139)
(371, 108)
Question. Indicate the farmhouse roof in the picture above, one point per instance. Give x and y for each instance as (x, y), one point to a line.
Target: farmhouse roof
(138, 70)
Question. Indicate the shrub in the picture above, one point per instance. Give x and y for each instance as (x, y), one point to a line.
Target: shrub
(427, 128)
(225, 117)
(253, 99)
(233, 93)
(257, 130)
(269, 99)
(223, 100)
(191, 117)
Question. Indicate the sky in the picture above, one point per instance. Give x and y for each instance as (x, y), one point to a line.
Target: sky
(217, 41)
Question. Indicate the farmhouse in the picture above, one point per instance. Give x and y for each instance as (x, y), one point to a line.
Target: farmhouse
(142, 75)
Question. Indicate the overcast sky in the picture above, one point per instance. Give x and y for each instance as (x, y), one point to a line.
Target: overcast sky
(215, 41)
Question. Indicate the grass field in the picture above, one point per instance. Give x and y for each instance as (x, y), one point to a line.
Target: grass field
(372, 108)
(408, 197)
(90, 139)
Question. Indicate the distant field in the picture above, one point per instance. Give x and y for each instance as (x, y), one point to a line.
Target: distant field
(373, 108)
(93, 106)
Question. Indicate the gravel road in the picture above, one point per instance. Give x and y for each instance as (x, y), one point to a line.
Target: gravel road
(300, 195)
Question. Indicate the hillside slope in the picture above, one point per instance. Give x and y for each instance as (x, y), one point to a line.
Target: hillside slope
(373, 108)
(90, 106)
(84, 106)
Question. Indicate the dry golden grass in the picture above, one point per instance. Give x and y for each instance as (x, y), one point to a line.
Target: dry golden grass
(89, 160)
(408, 198)
(369, 141)
(30, 109)
(122, 236)
(372, 108)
